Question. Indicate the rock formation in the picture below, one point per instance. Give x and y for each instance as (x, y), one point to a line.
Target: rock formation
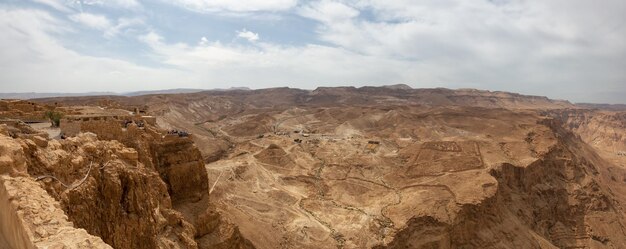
(370, 167)
(107, 189)
(30, 217)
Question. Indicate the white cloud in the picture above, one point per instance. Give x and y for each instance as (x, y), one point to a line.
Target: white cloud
(75, 5)
(126, 4)
(34, 60)
(454, 27)
(203, 41)
(100, 22)
(56, 4)
(93, 21)
(122, 25)
(328, 12)
(248, 35)
(235, 6)
(269, 65)
(526, 46)
(561, 48)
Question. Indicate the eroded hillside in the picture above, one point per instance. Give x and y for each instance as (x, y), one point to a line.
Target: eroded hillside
(398, 176)
(351, 170)
(119, 178)
(387, 167)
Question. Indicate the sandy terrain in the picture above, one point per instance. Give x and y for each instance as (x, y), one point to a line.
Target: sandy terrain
(53, 132)
(353, 182)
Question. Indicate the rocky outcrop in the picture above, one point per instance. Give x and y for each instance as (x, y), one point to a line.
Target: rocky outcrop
(275, 155)
(103, 188)
(12, 160)
(30, 217)
(450, 169)
(181, 167)
(555, 202)
(106, 188)
(604, 130)
(179, 164)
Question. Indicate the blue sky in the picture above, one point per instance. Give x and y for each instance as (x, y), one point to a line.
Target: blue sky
(566, 49)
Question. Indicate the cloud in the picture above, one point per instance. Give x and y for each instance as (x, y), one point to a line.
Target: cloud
(328, 12)
(56, 4)
(203, 41)
(270, 65)
(571, 49)
(93, 21)
(100, 22)
(235, 6)
(126, 4)
(30, 35)
(248, 35)
(72, 6)
(525, 46)
(122, 25)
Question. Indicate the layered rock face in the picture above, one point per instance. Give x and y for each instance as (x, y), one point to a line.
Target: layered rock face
(30, 217)
(605, 130)
(180, 166)
(105, 188)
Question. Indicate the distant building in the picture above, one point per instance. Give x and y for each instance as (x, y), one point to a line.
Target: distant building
(27, 111)
(103, 125)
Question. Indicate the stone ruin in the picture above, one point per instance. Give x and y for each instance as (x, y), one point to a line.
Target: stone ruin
(26, 111)
(106, 126)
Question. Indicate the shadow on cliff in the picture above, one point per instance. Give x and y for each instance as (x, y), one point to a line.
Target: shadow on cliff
(558, 201)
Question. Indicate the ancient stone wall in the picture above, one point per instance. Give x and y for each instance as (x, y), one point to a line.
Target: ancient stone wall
(12, 229)
(106, 127)
(23, 110)
(30, 218)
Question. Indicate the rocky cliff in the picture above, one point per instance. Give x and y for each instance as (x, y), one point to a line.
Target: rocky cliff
(105, 188)
(370, 167)
(557, 201)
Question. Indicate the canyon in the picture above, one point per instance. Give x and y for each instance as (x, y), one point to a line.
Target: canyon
(338, 167)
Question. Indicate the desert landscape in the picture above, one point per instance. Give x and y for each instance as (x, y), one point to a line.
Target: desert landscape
(312, 124)
(336, 167)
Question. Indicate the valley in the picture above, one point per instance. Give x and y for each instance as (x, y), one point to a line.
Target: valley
(345, 167)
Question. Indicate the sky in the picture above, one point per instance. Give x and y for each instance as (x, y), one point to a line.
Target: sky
(563, 49)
